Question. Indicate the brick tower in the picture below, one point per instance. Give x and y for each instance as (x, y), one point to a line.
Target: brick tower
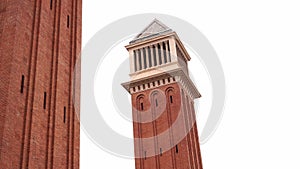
(39, 91)
(162, 96)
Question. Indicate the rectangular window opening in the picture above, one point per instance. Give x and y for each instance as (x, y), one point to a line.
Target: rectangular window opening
(142, 106)
(145, 155)
(176, 148)
(22, 84)
(171, 99)
(65, 111)
(68, 21)
(45, 99)
(51, 1)
(156, 103)
(160, 151)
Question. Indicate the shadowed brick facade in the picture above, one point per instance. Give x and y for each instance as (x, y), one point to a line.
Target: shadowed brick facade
(162, 96)
(39, 91)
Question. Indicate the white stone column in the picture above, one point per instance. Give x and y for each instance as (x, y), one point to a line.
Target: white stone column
(152, 55)
(131, 61)
(147, 56)
(137, 60)
(142, 58)
(173, 50)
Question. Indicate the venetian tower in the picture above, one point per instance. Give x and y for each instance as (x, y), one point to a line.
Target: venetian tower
(162, 96)
(39, 86)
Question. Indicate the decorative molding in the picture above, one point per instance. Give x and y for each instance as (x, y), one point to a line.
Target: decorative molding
(165, 78)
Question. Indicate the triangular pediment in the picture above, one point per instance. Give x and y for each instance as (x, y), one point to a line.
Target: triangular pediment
(155, 27)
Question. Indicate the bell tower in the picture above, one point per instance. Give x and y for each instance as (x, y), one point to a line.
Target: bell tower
(40, 84)
(162, 95)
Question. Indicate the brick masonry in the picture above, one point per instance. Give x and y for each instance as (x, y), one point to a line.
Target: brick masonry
(180, 149)
(40, 88)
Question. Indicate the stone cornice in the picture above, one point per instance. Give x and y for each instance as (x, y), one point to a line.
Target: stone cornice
(177, 74)
(167, 35)
(146, 41)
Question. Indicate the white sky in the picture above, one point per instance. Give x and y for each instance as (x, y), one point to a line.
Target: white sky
(258, 45)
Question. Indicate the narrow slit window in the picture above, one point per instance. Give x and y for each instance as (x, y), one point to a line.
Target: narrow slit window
(142, 106)
(51, 1)
(171, 99)
(65, 111)
(156, 103)
(145, 155)
(68, 21)
(160, 151)
(176, 148)
(45, 99)
(22, 84)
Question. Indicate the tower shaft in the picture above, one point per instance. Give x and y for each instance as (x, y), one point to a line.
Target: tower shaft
(39, 103)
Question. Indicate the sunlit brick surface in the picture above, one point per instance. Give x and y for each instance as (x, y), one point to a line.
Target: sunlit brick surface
(38, 124)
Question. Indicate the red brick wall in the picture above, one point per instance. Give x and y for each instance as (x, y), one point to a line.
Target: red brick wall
(188, 155)
(37, 43)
